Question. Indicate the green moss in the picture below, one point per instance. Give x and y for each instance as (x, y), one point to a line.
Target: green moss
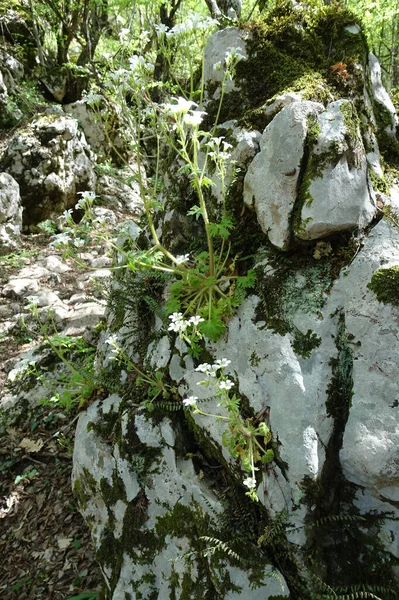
(340, 389)
(305, 343)
(385, 284)
(379, 183)
(302, 46)
(112, 492)
(85, 488)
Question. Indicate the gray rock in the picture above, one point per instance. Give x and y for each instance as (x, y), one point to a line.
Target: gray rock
(120, 196)
(215, 54)
(12, 69)
(10, 214)
(335, 192)
(271, 181)
(81, 316)
(52, 163)
(90, 123)
(370, 450)
(280, 101)
(20, 287)
(188, 503)
(55, 265)
(381, 96)
(104, 139)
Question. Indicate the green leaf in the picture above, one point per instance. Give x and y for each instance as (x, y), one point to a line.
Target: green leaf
(196, 211)
(247, 281)
(268, 456)
(221, 229)
(213, 328)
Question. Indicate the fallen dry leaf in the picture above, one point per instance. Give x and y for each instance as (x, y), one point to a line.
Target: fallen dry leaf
(31, 445)
(64, 543)
(9, 502)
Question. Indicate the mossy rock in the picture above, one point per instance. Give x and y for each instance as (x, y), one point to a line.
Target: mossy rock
(295, 50)
(385, 284)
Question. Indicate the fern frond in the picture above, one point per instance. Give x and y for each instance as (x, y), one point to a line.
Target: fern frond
(168, 406)
(335, 519)
(218, 546)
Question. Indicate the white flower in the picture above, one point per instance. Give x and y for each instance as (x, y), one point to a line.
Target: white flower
(194, 117)
(78, 242)
(223, 363)
(176, 316)
(182, 106)
(203, 368)
(178, 324)
(66, 216)
(123, 34)
(33, 300)
(234, 54)
(195, 320)
(112, 339)
(190, 401)
(225, 385)
(161, 29)
(182, 258)
(61, 239)
(250, 482)
(136, 62)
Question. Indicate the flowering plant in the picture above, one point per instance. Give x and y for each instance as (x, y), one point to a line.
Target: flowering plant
(245, 439)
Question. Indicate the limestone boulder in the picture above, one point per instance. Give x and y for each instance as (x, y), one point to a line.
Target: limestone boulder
(52, 162)
(370, 451)
(12, 68)
(271, 182)
(10, 214)
(336, 194)
(102, 132)
(145, 545)
(221, 43)
(16, 24)
(382, 102)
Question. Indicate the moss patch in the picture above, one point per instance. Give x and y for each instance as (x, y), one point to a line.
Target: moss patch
(302, 45)
(385, 284)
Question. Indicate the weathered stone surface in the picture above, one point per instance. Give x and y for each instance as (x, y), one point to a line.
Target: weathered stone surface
(215, 54)
(370, 451)
(381, 96)
(90, 123)
(118, 195)
(157, 566)
(52, 163)
(271, 181)
(12, 69)
(10, 214)
(281, 101)
(16, 26)
(103, 134)
(336, 192)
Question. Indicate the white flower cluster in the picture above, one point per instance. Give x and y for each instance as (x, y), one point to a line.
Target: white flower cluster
(211, 370)
(180, 325)
(112, 341)
(219, 148)
(184, 109)
(193, 23)
(182, 258)
(232, 57)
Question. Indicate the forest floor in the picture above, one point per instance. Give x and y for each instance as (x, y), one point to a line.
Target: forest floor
(45, 546)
